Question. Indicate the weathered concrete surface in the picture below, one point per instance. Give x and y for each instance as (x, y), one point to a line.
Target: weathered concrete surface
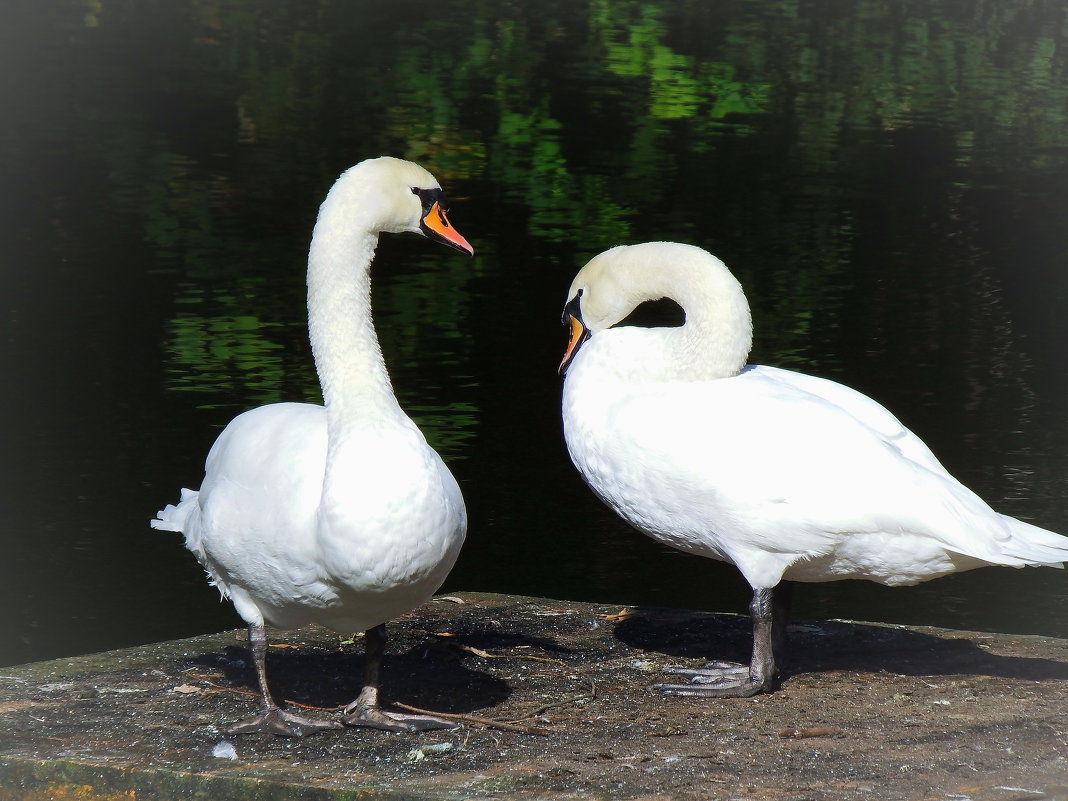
(866, 712)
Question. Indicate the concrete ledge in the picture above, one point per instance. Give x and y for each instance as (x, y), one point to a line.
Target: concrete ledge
(866, 712)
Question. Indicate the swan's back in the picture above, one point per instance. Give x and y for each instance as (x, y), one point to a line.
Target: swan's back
(755, 462)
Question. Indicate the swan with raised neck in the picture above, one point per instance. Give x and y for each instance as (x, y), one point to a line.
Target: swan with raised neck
(372, 197)
(338, 514)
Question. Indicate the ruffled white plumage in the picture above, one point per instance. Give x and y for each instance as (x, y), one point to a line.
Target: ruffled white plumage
(258, 527)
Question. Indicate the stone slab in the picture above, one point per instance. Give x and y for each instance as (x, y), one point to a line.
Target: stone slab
(866, 711)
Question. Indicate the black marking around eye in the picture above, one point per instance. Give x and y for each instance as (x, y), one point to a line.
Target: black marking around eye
(573, 308)
(428, 197)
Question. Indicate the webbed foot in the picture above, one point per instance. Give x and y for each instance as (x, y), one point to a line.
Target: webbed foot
(374, 717)
(717, 680)
(365, 711)
(280, 722)
(732, 680)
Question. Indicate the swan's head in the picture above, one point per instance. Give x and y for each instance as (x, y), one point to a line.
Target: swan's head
(614, 283)
(398, 196)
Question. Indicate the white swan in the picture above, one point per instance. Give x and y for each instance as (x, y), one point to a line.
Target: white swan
(784, 475)
(339, 514)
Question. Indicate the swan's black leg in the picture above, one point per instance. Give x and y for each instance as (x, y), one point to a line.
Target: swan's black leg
(783, 596)
(273, 718)
(366, 711)
(769, 610)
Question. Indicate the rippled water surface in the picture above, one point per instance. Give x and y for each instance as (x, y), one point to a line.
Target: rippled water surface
(888, 181)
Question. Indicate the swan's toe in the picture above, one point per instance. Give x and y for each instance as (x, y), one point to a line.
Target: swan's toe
(284, 724)
(713, 672)
(377, 718)
(736, 689)
(717, 680)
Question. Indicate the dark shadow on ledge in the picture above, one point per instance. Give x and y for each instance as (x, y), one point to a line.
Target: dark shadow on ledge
(427, 675)
(515, 635)
(827, 645)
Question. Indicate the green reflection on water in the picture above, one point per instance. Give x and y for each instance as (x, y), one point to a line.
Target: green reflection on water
(232, 353)
(598, 123)
(886, 179)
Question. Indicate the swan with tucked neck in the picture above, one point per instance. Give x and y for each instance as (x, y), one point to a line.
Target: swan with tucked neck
(787, 476)
(338, 514)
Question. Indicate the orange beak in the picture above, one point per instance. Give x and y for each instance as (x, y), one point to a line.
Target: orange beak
(579, 334)
(436, 226)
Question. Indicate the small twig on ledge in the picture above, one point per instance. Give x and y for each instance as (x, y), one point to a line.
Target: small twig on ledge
(541, 710)
(319, 708)
(218, 688)
(487, 655)
(288, 701)
(487, 722)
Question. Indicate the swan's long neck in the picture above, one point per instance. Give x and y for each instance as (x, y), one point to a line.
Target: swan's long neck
(347, 355)
(715, 340)
(718, 333)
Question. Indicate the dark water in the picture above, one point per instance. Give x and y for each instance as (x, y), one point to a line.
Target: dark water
(888, 180)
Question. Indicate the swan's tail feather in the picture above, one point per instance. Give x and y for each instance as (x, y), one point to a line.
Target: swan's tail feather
(1031, 545)
(185, 518)
(176, 518)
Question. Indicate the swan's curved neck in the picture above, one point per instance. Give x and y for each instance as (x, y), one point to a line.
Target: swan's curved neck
(345, 346)
(718, 332)
(714, 341)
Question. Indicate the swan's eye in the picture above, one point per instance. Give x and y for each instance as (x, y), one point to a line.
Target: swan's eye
(572, 309)
(415, 190)
(663, 313)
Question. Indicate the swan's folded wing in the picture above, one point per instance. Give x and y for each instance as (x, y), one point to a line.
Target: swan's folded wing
(856, 404)
(796, 472)
(955, 516)
(260, 495)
